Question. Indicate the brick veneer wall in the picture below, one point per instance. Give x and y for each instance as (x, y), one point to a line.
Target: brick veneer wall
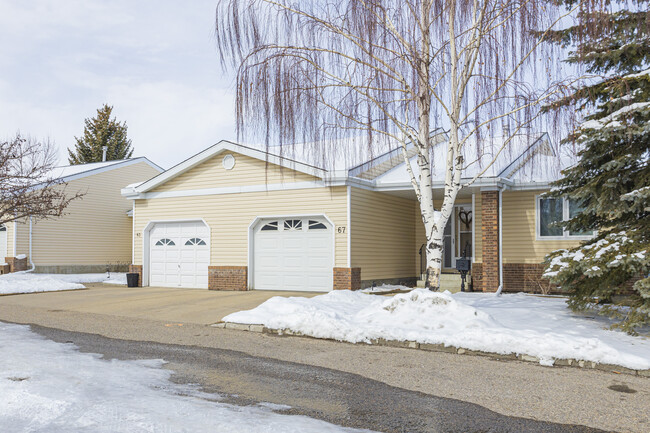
(5, 269)
(136, 269)
(16, 265)
(347, 278)
(477, 277)
(228, 277)
(525, 277)
(490, 233)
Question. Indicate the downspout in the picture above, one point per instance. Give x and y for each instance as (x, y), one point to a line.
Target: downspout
(500, 235)
(31, 262)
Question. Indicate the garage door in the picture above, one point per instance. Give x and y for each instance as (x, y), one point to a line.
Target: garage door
(179, 254)
(293, 254)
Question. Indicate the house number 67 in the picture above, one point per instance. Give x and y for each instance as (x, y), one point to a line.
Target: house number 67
(340, 229)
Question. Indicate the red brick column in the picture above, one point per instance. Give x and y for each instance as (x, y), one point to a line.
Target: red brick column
(490, 233)
(347, 278)
(16, 265)
(136, 269)
(228, 277)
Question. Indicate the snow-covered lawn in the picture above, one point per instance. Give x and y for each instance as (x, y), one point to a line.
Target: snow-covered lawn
(51, 387)
(512, 323)
(29, 282)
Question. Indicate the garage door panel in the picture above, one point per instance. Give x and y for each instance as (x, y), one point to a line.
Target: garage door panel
(293, 259)
(172, 263)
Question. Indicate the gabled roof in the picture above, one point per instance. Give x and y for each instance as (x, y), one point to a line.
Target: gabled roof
(522, 151)
(353, 161)
(221, 147)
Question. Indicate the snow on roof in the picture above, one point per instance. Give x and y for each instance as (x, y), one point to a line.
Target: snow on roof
(526, 158)
(70, 170)
(66, 171)
(337, 155)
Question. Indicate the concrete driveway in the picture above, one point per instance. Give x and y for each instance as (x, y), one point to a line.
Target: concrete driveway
(151, 303)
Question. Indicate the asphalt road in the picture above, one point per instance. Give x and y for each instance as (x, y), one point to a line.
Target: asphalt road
(331, 395)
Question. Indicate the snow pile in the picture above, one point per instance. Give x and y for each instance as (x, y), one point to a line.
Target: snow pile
(115, 278)
(28, 282)
(48, 386)
(524, 324)
(31, 283)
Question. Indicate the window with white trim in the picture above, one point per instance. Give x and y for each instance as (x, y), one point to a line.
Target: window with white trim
(165, 242)
(195, 241)
(3, 228)
(550, 212)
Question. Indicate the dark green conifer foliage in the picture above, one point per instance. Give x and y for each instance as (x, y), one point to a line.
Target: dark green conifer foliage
(612, 177)
(101, 131)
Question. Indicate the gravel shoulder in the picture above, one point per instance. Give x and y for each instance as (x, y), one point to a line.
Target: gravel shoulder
(558, 395)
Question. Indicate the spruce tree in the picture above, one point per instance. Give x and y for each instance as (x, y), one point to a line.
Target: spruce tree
(101, 131)
(611, 181)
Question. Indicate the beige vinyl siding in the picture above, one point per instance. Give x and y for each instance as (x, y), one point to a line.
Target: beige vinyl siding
(9, 252)
(22, 237)
(519, 233)
(95, 229)
(230, 215)
(247, 171)
(382, 234)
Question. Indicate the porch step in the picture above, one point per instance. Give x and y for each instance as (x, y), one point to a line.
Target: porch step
(451, 282)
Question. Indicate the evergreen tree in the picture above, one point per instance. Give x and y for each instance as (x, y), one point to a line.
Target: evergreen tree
(101, 131)
(611, 181)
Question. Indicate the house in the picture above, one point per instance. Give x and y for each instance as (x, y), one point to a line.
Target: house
(96, 229)
(235, 217)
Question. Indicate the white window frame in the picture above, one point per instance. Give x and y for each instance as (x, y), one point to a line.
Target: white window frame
(565, 217)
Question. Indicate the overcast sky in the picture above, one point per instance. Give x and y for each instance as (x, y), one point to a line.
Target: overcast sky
(154, 61)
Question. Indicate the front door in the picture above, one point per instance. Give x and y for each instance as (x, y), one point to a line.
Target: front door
(458, 236)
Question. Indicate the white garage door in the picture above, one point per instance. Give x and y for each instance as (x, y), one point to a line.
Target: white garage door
(293, 254)
(179, 254)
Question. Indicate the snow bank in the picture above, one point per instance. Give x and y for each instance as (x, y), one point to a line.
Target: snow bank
(48, 386)
(513, 323)
(32, 283)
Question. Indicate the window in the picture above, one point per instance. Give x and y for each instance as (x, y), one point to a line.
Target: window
(550, 212)
(3, 228)
(316, 225)
(165, 242)
(195, 241)
(292, 225)
(273, 225)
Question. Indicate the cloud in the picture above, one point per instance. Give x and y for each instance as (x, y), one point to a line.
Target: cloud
(155, 61)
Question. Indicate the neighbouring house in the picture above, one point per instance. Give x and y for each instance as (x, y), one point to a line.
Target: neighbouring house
(234, 217)
(96, 230)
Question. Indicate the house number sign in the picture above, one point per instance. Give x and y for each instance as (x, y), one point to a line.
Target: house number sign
(340, 229)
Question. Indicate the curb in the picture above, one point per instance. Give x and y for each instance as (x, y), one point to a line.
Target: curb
(611, 368)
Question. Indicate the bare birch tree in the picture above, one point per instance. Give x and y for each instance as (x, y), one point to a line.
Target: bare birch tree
(321, 71)
(29, 187)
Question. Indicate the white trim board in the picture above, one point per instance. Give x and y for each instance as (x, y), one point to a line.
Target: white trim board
(225, 190)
